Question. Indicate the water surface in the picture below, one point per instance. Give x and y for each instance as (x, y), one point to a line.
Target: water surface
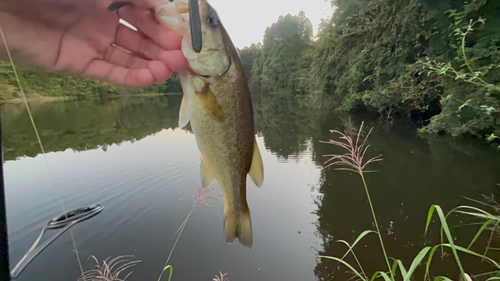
(129, 156)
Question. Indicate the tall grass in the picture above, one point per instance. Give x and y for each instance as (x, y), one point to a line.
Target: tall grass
(110, 269)
(354, 160)
(222, 277)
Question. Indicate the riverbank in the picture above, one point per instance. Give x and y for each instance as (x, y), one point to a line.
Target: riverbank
(37, 98)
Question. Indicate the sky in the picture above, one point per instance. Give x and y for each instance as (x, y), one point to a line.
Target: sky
(246, 21)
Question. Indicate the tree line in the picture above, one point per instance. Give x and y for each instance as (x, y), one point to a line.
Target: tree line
(437, 62)
(36, 81)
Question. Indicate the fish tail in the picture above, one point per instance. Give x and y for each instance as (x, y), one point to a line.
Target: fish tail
(239, 225)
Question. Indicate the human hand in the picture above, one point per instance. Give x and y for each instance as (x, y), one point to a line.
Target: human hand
(79, 37)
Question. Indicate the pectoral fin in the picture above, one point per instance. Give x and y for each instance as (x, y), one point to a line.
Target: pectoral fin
(210, 103)
(183, 113)
(206, 177)
(256, 172)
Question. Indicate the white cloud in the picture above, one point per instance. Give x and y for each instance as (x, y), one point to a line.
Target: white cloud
(246, 21)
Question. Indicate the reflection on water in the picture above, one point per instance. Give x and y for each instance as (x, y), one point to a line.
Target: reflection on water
(128, 155)
(85, 125)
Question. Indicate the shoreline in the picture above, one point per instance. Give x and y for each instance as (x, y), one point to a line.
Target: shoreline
(45, 99)
(41, 99)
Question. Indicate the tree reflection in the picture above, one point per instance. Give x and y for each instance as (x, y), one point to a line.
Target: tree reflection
(284, 123)
(84, 125)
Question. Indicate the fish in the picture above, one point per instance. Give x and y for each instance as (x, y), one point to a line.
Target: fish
(217, 104)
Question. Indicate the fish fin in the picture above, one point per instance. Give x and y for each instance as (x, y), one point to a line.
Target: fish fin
(183, 113)
(206, 176)
(239, 226)
(210, 103)
(256, 172)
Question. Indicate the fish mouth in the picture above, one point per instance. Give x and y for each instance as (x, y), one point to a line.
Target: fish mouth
(191, 69)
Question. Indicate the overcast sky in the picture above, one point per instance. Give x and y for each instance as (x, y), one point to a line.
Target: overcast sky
(246, 20)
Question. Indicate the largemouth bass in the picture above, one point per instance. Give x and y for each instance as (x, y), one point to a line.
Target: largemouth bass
(217, 104)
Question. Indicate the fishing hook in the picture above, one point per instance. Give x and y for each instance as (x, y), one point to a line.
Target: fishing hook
(194, 21)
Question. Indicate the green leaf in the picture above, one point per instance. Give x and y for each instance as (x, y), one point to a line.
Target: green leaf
(492, 137)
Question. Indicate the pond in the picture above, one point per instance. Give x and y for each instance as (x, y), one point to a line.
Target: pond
(128, 155)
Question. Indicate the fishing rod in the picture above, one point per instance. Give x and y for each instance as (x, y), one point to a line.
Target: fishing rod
(4, 242)
(63, 223)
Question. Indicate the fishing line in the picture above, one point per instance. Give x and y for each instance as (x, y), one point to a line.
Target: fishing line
(41, 146)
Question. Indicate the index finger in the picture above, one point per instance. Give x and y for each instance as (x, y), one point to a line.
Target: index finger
(147, 24)
(141, 4)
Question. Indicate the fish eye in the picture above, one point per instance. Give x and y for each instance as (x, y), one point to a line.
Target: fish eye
(213, 21)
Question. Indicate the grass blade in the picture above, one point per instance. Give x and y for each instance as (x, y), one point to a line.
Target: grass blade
(171, 268)
(480, 231)
(394, 267)
(363, 234)
(467, 251)
(355, 257)
(346, 264)
(487, 273)
(402, 268)
(478, 215)
(381, 273)
(446, 229)
(416, 261)
(429, 260)
(442, 278)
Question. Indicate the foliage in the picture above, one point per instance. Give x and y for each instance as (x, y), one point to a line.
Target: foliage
(38, 82)
(370, 56)
(481, 109)
(281, 61)
(248, 55)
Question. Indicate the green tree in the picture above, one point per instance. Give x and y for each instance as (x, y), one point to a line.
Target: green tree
(248, 55)
(38, 82)
(281, 59)
(370, 56)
